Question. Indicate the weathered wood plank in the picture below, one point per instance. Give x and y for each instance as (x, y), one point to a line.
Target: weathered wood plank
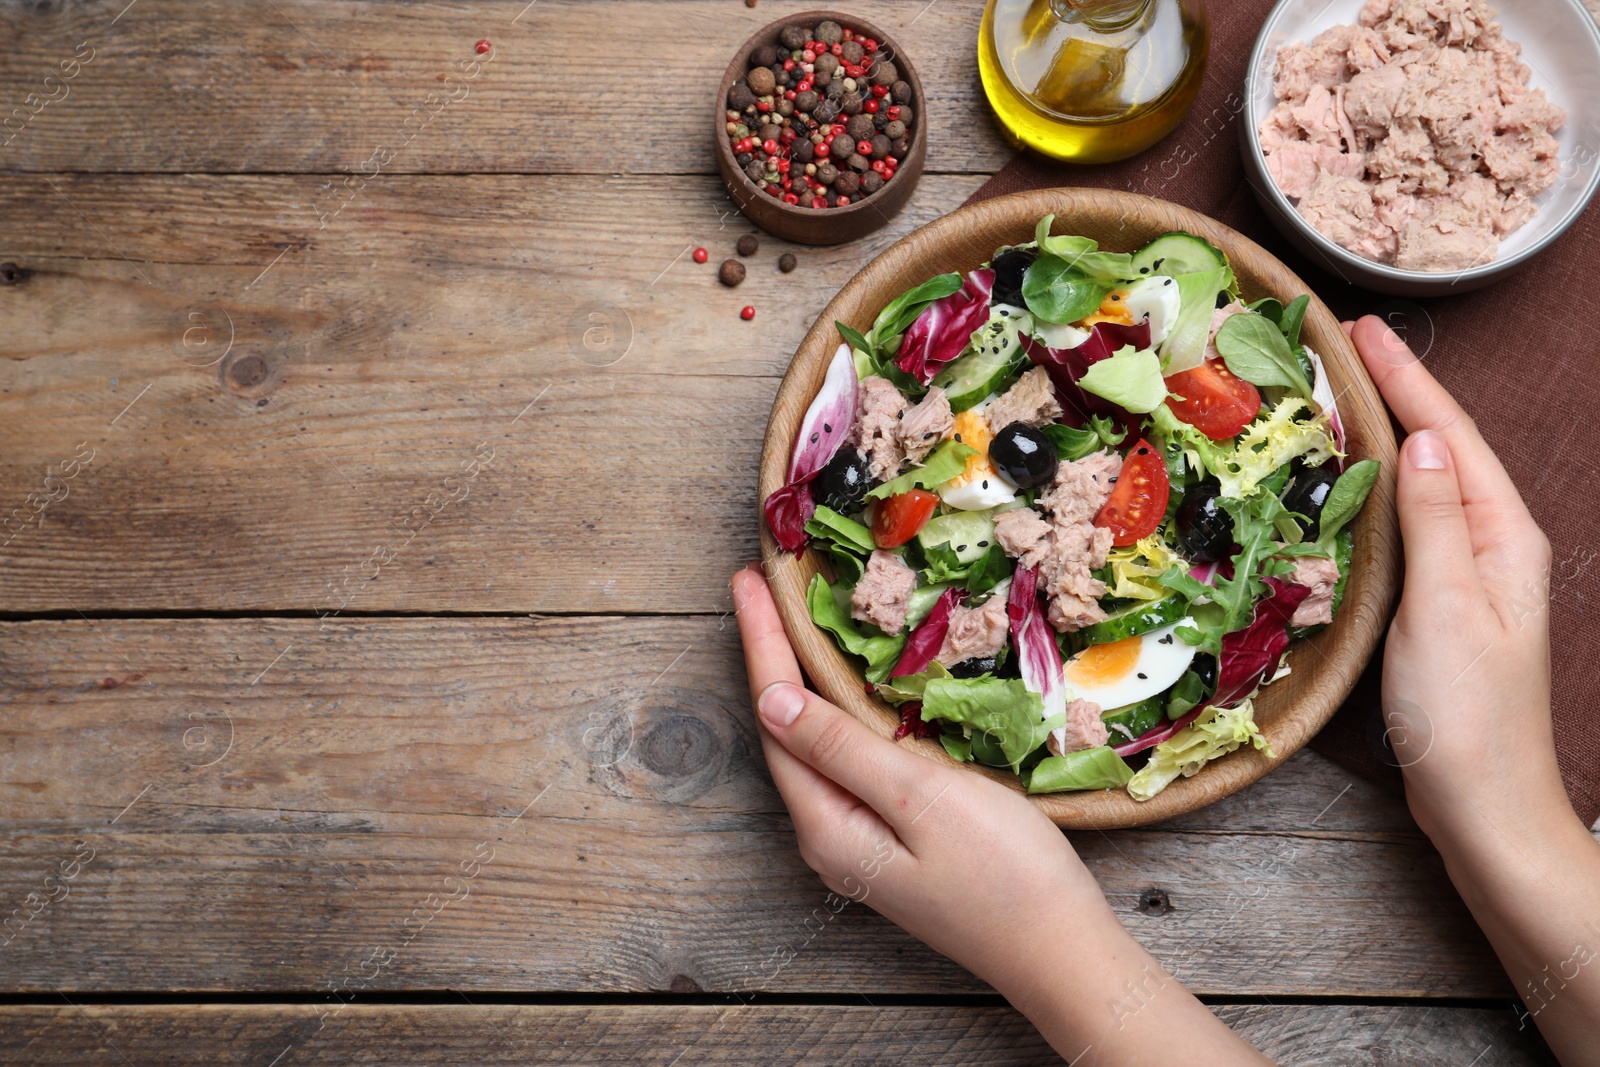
(1293, 1035)
(297, 85)
(373, 762)
(259, 430)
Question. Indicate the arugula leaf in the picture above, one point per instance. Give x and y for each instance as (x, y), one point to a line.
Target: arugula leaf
(855, 341)
(1255, 350)
(943, 463)
(1056, 291)
(1346, 498)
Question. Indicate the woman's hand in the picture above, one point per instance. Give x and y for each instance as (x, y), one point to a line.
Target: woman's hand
(970, 867)
(1466, 692)
(1466, 673)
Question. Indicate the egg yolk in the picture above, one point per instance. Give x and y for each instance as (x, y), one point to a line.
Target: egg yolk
(1114, 308)
(970, 429)
(1100, 665)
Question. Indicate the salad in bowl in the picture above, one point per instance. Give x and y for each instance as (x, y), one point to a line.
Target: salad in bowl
(1077, 504)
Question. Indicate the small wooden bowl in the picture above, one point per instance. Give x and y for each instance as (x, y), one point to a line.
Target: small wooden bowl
(1324, 667)
(809, 226)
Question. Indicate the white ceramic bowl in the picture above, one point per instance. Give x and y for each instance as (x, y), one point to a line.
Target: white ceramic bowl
(1560, 44)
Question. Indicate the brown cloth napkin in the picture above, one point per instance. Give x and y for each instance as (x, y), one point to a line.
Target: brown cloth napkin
(1520, 356)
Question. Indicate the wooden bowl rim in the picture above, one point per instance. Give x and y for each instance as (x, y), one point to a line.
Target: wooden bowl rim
(1324, 667)
(910, 169)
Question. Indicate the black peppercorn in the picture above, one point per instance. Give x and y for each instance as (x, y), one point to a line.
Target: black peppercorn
(826, 173)
(871, 182)
(826, 111)
(787, 262)
(793, 37)
(899, 147)
(764, 56)
(880, 146)
(907, 116)
(805, 100)
(884, 73)
(841, 148)
(852, 52)
(804, 151)
(755, 169)
(829, 32)
(10, 274)
(748, 245)
(850, 103)
(731, 272)
(740, 96)
(858, 162)
(849, 181)
(859, 127)
(745, 159)
(827, 63)
(901, 92)
(895, 130)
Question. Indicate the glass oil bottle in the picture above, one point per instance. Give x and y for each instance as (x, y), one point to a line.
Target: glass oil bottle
(1091, 81)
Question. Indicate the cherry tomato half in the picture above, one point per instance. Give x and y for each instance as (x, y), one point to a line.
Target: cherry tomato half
(1215, 401)
(1139, 501)
(897, 519)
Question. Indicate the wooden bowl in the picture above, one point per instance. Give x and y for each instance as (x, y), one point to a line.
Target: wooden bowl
(809, 226)
(1324, 667)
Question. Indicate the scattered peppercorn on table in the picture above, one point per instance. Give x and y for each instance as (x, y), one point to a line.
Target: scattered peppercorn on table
(377, 444)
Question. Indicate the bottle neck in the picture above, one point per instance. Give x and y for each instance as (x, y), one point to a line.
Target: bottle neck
(1105, 16)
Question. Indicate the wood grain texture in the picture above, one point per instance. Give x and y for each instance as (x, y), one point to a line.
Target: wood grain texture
(365, 367)
(301, 85)
(267, 801)
(491, 1034)
(1324, 667)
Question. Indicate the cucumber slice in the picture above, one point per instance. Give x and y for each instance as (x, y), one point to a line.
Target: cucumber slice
(970, 533)
(1177, 253)
(1135, 719)
(1135, 618)
(993, 359)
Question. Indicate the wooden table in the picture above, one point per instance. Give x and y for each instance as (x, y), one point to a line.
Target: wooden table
(378, 459)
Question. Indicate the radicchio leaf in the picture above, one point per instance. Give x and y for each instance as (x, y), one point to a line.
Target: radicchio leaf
(827, 422)
(1038, 656)
(1251, 653)
(911, 724)
(1248, 655)
(1322, 396)
(824, 427)
(945, 327)
(928, 637)
(1066, 365)
(788, 510)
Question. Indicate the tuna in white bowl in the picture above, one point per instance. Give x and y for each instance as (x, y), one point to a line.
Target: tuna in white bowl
(1541, 56)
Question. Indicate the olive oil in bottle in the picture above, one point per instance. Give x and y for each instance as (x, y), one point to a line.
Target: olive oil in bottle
(1091, 81)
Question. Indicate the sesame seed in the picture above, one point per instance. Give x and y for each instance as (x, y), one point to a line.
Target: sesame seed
(1143, 676)
(815, 437)
(986, 483)
(958, 438)
(983, 544)
(961, 548)
(826, 428)
(929, 434)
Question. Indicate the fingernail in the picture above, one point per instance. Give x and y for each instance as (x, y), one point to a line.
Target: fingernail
(1426, 451)
(780, 704)
(753, 565)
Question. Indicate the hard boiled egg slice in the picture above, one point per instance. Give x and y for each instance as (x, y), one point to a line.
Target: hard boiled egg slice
(1060, 336)
(1125, 672)
(1157, 298)
(979, 486)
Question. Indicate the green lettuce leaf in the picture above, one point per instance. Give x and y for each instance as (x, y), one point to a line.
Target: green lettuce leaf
(847, 542)
(1131, 379)
(946, 461)
(1185, 344)
(880, 650)
(1255, 349)
(1003, 708)
(1216, 732)
(1091, 768)
(911, 686)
